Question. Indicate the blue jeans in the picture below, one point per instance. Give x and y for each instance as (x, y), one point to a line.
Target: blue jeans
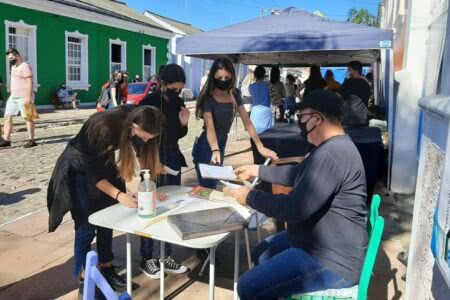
(283, 270)
(201, 153)
(172, 158)
(84, 231)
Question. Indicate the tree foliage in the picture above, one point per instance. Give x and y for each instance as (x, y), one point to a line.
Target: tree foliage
(362, 16)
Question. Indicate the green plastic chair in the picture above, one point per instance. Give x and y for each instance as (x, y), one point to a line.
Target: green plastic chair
(374, 212)
(359, 291)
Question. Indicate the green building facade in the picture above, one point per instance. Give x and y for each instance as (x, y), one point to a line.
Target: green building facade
(82, 50)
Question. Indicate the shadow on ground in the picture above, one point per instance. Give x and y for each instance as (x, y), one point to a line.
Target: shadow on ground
(8, 199)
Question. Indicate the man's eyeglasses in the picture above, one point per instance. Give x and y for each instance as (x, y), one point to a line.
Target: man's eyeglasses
(300, 116)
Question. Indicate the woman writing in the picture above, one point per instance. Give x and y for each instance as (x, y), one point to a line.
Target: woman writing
(88, 177)
(217, 104)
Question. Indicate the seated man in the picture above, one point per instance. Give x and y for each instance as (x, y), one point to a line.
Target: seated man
(65, 95)
(326, 238)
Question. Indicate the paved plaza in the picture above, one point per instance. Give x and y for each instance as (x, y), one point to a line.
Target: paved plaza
(35, 264)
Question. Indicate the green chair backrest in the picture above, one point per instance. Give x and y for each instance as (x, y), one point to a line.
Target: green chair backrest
(373, 214)
(371, 256)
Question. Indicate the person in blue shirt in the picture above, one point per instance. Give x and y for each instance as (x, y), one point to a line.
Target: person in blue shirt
(261, 114)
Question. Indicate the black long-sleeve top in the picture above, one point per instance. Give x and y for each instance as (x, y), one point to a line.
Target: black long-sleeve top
(326, 210)
(173, 130)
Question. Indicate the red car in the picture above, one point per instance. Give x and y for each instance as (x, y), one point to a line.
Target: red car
(138, 90)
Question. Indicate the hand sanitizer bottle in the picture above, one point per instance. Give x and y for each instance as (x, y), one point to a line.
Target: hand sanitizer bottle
(146, 197)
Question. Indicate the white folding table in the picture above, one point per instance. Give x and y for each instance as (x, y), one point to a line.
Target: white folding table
(121, 218)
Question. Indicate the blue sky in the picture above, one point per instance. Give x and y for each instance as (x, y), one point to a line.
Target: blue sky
(211, 14)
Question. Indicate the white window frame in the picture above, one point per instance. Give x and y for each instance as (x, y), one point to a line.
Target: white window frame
(123, 54)
(32, 51)
(153, 59)
(83, 84)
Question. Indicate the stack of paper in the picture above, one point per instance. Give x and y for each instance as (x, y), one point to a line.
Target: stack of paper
(217, 172)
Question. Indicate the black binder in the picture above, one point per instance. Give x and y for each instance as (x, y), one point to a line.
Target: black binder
(206, 222)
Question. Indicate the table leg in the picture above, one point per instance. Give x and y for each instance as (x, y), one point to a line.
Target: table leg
(162, 270)
(236, 262)
(212, 261)
(258, 231)
(129, 263)
(247, 248)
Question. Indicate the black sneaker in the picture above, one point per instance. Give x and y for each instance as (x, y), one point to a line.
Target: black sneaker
(173, 267)
(29, 144)
(98, 293)
(117, 282)
(5, 143)
(150, 267)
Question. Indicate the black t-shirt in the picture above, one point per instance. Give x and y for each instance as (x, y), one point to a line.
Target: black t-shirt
(173, 130)
(222, 113)
(327, 208)
(312, 85)
(358, 87)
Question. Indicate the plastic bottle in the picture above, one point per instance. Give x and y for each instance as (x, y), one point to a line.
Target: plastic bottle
(146, 196)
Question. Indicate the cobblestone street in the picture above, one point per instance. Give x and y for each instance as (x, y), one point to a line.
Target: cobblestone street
(24, 173)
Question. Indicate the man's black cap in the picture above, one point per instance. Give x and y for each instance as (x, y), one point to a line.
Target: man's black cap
(326, 102)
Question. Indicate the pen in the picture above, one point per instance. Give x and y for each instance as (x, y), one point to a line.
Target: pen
(255, 181)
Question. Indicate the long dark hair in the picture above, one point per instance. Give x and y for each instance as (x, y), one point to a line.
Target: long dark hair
(315, 75)
(208, 88)
(111, 130)
(274, 75)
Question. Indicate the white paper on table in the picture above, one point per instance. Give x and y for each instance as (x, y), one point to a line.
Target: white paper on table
(172, 203)
(217, 172)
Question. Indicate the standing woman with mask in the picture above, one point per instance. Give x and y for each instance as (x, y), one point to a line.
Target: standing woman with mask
(217, 105)
(88, 177)
(166, 98)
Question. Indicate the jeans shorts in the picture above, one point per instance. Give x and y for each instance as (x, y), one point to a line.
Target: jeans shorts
(14, 105)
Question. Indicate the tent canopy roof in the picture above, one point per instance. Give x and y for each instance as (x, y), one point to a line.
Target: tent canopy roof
(292, 37)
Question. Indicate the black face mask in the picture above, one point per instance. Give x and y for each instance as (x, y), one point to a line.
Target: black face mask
(137, 142)
(222, 84)
(13, 62)
(172, 93)
(304, 131)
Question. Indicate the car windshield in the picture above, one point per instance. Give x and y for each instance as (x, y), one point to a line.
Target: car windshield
(136, 89)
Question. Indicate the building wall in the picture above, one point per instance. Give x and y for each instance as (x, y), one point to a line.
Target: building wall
(411, 18)
(51, 61)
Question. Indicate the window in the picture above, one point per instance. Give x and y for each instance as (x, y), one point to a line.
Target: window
(22, 37)
(77, 68)
(118, 57)
(148, 62)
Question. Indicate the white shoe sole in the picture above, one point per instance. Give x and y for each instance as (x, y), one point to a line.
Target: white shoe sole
(179, 271)
(152, 276)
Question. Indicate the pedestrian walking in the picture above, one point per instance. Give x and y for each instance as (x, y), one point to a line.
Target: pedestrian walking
(21, 96)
